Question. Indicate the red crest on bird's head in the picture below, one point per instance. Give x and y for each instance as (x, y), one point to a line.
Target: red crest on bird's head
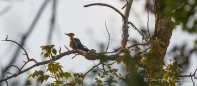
(70, 34)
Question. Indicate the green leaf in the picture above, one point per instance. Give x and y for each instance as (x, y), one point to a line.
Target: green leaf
(108, 66)
(41, 79)
(96, 78)
(115, 70)
(99, 74)
(54, 51)
(46, 77)
(67, 75)
(30, 76)
(46, 54)
(105, 72)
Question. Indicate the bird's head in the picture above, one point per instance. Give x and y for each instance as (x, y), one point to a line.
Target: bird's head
(70, 34)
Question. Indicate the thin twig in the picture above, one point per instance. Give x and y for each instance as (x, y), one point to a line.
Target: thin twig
(66, 48)
(23, 65)
(138, 31)
(111, 63)
(116, 50)
(60, 50)
(28, 62)
(90, 70)
(136, 45)
(74, 56)
(192, 79)
(97, 66)
(103, 66)
(108, 39)
(13, 66)
(124, 6)
(189, 75)
(182, 4)
(147, 2)
(7, 83)
(107, 5)
(19, 46)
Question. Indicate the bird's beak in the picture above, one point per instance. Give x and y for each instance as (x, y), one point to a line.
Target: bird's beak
(66, 34)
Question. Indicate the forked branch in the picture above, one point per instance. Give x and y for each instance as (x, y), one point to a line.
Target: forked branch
(107, 5)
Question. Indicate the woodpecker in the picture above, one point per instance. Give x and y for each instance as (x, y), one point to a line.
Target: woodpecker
(75, 43)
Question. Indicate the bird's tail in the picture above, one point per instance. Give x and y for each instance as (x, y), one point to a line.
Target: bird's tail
(85, 48)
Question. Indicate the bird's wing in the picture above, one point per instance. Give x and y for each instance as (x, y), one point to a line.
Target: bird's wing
(80, 45)
(78, 42)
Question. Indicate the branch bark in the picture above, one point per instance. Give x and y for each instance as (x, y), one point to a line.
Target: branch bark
(163, 30)
(125, 27)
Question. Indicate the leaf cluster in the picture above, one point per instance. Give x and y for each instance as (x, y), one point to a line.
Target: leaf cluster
(48, 50)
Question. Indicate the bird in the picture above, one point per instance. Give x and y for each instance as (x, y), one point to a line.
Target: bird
(75, 43)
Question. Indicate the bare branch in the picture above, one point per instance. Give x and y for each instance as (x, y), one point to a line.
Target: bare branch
(107, 5)
(136, 45)
(7, 83)
(189, 75)
(108, 36)
(18, 45)
(88, 55)
(74, 56)
(116, 50)
(13, 66)
(28, 62)
(33, 60)
(125, 27)
(124, 6)
(90, 70)
(192, 79)
(60, 50)
(147, 2)
(138, 31)
(66, 48)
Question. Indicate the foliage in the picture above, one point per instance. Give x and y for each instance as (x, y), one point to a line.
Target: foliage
(48, 50)
(182, 11)
(143, 63)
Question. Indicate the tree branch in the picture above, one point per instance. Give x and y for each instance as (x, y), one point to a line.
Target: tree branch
(192, 79)
(148, 3)
(88, 55)
(189, 75)
(19, 46)
(26, 35)
(138, 31)
(108, 36)
(90, 70)
(125, 27)
(107, 5)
